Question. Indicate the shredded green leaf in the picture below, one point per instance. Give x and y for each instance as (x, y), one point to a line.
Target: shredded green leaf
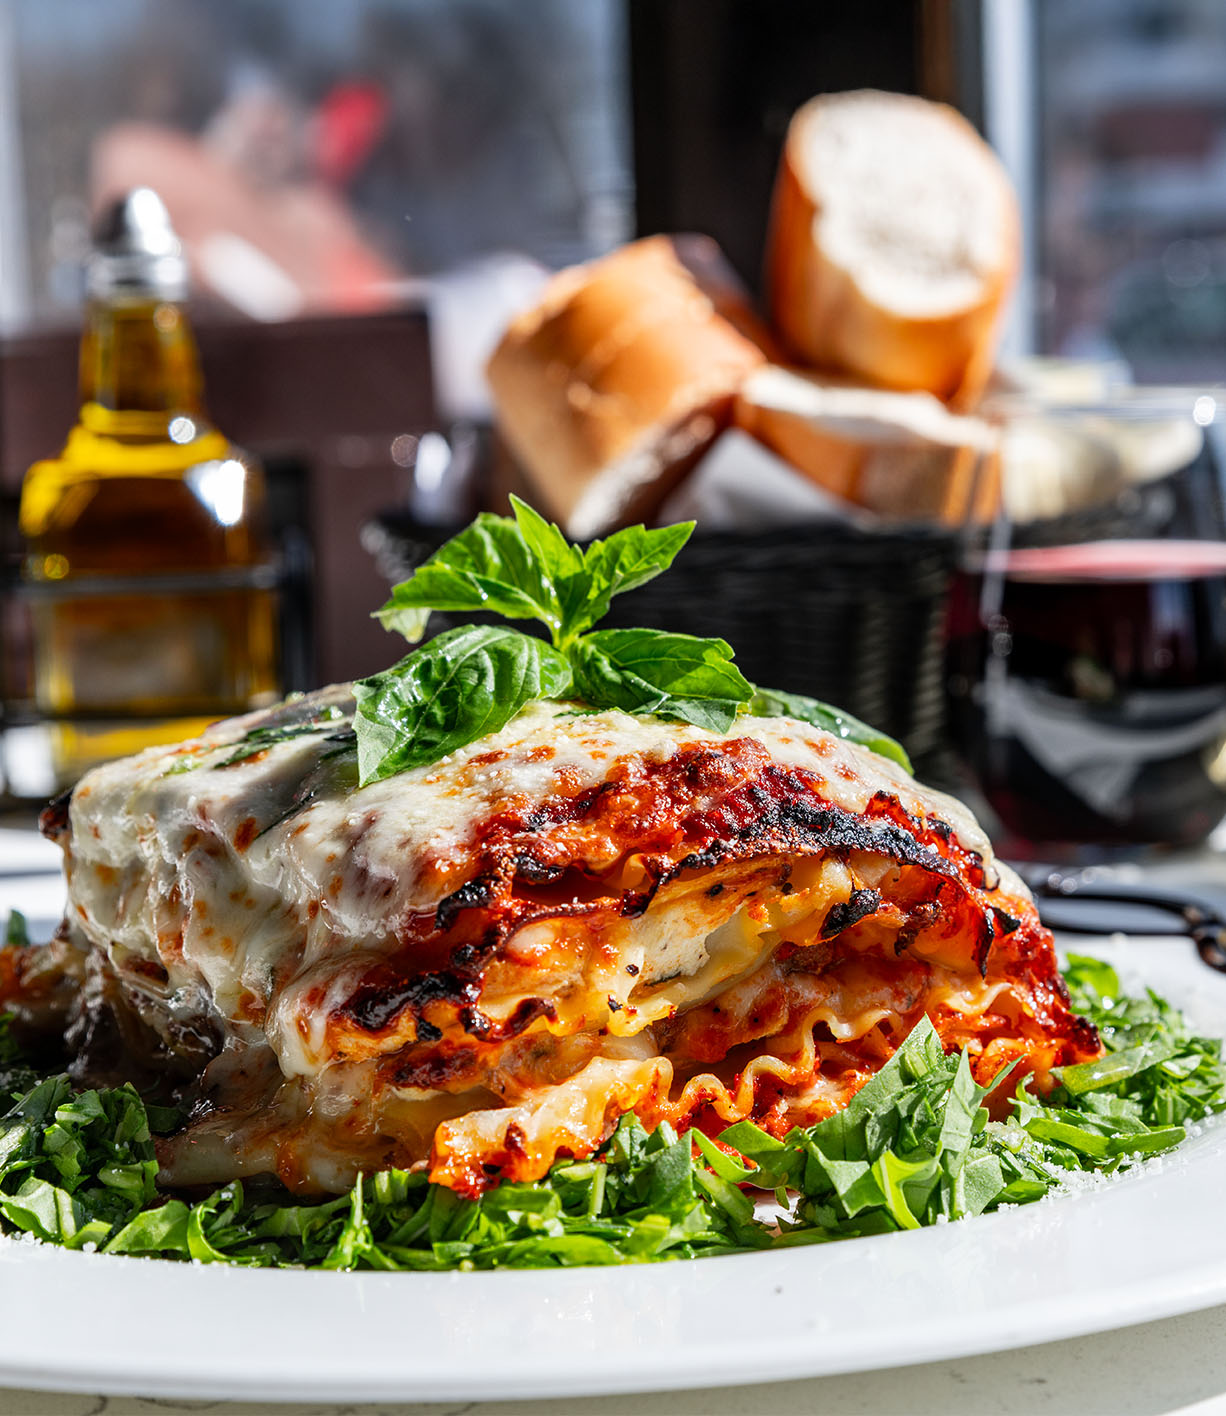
(914, 1147)
(290, 723)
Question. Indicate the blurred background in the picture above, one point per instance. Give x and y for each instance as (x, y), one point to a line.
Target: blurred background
(350, 152)
(366, 191)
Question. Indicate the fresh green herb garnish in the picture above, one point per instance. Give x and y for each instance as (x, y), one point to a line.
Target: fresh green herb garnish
(673, 675)
(463, 685)
(914, 1147)
(524, 568)
(471, 681)
(264, 736)
(261, 738)
(74, 1168)
(771, 703)
(16, 931)
(1156, 1068)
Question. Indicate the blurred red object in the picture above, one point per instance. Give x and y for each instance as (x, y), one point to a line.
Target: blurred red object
(274, 249)
(348, 125)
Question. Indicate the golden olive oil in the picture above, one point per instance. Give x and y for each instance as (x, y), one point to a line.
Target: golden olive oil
(151, 587)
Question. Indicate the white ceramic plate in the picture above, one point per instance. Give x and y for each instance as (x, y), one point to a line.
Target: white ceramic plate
(1148, 1245)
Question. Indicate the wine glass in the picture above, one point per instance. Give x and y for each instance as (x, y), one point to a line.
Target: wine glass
(1086, 644)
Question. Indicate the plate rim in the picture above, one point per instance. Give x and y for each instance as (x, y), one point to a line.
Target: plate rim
(742, 1360)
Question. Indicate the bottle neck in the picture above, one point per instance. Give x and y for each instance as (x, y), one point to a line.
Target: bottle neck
(138, 357)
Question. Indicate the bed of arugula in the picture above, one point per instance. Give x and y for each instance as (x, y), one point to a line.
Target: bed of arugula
(915, 1147)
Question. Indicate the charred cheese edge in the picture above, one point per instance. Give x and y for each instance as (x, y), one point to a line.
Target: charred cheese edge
(480, 964)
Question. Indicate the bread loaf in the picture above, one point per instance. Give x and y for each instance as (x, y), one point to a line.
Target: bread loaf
(894, 243)
(904, 456)
(613, 385)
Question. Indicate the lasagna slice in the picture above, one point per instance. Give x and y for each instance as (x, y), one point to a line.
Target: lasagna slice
(479, 965)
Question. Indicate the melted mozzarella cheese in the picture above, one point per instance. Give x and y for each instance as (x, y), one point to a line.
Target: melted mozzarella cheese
(195, 871)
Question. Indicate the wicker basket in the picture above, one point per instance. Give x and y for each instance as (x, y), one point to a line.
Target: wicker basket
(854, 618)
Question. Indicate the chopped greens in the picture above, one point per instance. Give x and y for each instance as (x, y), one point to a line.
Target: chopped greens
(914, 1147)
(76, 1166)
(523, 568)
(289, 725)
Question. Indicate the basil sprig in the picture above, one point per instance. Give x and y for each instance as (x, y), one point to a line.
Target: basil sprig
(471, 681)
(524, 568)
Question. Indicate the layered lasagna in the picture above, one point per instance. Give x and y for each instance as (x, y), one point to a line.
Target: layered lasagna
(479, 965)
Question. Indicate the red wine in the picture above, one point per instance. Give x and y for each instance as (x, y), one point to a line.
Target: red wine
(1087, 689)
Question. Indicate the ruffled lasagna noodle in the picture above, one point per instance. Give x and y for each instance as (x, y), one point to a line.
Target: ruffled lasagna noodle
(481, 964)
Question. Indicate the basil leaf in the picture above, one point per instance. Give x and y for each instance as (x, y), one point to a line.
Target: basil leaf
(906, 1185)
(44, 1210)
(779, 1165)
(564, 565)
(772, 703)
(459, 687)
(525, 568)
(624, 561)
(154, 1231)
(726, 1166)
(672, 675)
(961, 1122)
(488, 567)
(559, 561)
(981, 1183)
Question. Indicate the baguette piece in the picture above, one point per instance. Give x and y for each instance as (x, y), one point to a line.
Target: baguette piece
(904, 456)
(894, 243)
(614, 384)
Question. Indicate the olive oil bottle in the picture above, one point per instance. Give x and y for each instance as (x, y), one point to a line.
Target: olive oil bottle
(152, 590)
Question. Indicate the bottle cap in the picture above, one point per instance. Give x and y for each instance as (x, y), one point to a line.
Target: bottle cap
(136, 252)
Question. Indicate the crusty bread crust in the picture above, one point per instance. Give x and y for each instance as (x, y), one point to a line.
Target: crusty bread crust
(903, 456)
(617, 381)
(818, 304)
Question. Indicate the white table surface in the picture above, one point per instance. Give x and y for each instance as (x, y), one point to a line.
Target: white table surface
(1175, 1365)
